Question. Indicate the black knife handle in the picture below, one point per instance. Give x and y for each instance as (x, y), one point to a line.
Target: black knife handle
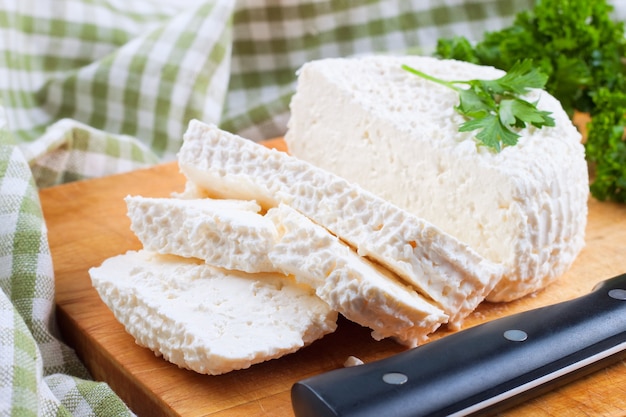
(482, 368)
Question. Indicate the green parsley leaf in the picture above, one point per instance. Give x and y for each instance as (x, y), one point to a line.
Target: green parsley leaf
(516, 112)
(518, 80)
(492, 132)
(495, 107)
(472, 104)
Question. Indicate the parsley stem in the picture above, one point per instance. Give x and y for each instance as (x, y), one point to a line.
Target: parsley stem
(430, 77)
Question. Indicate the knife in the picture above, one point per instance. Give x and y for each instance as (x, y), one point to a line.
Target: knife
(486, 368)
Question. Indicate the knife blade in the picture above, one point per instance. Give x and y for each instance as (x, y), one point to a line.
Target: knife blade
(486, 368)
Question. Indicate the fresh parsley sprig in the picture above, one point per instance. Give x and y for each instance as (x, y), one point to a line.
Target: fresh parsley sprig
(496, 107)
(581, 46)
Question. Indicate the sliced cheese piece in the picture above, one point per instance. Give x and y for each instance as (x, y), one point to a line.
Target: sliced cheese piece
(225, 233)
(206, 319)
(396, 134)
(357, 288)
(437, 264)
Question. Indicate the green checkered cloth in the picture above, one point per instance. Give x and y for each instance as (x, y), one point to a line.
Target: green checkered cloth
(90, 88)
(39, 375)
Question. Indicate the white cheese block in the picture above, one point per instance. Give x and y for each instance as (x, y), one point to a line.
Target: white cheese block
(435, 263)
(357, 288)
(396, 134)
(230, 234)
(206, 319)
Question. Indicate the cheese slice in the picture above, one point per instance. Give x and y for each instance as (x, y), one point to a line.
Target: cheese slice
(396, 135)
(357, 288)
(207, 319)
(438, 265)
(230, 234)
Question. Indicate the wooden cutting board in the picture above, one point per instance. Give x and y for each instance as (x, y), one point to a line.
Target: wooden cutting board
(87, 223)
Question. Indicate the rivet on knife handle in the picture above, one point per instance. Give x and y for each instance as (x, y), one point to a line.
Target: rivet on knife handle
(486, 367)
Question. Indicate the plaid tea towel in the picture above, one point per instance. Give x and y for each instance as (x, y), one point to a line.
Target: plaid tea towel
(90, 88)
(39, 375)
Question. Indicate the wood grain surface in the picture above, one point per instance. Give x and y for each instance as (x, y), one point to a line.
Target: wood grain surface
(87, 223)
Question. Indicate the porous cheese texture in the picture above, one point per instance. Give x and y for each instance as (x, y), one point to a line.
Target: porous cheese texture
(227, 233)
(396, 135)
(435, 263)
(232, 234)
(207, 319)
(357, 288)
